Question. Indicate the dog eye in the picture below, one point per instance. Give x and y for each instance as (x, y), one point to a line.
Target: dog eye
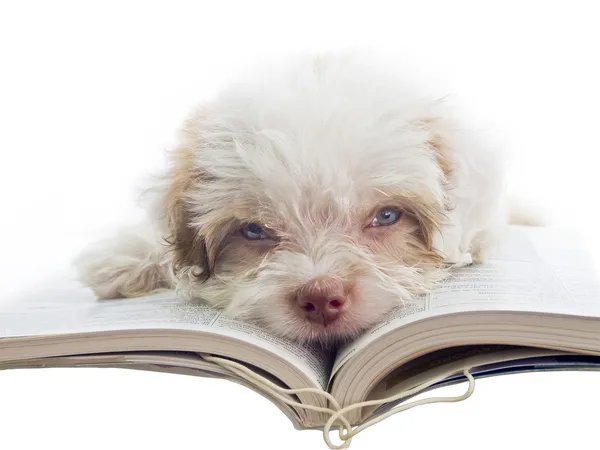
(254, 232)
(386, 216)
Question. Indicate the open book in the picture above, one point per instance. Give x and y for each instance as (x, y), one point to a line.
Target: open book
(535, 305)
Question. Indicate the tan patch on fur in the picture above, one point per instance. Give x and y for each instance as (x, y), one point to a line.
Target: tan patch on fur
(422, 218)
(416, 243)
(440, 144)
(189, 248)
(443, 154)
(193, 249)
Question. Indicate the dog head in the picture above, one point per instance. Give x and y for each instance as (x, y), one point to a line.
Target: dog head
(308, 200)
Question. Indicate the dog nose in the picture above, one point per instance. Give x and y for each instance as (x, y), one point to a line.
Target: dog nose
(322, 300)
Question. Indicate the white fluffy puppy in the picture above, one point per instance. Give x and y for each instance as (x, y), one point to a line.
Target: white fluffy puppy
(313, 199)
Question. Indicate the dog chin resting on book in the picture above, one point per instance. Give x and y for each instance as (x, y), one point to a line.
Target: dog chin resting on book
(314, 199)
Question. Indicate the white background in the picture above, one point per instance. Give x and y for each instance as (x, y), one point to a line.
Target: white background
(91, 94)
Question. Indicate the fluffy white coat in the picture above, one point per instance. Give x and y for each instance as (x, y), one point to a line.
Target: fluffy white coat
(311, 153)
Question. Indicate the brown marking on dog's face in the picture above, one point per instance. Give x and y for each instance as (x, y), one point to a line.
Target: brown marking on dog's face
(200, 249)
(410, 239)
(189, 248)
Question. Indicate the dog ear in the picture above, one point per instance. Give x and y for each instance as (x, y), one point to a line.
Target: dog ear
(187, 243)
(440, 144)
(443, 152)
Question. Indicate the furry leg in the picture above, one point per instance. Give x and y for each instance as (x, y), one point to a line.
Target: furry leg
(131, 264)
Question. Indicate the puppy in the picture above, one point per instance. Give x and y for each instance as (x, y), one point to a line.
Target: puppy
(313, 199)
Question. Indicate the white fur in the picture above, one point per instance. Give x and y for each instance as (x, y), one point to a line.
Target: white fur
(132, 263)
(318, 135)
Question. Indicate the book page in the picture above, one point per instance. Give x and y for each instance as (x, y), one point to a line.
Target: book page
(66, 308)
(533, 269)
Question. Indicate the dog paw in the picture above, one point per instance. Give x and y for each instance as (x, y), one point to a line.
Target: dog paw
(464, 259)
(129, 265)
